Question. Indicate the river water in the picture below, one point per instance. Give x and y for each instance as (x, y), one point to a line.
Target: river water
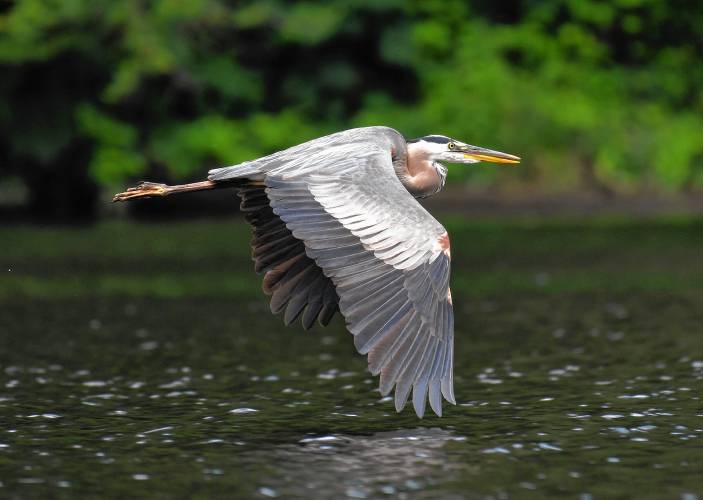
(574, 394)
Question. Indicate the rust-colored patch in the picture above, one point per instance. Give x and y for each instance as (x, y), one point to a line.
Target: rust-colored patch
(444, 245)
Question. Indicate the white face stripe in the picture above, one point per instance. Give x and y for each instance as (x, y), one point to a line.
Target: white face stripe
(430, 149)
(435, 151)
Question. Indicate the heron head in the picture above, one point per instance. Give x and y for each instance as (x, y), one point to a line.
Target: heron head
(446, 149)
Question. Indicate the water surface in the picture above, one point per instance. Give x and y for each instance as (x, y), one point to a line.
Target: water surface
(154, 369)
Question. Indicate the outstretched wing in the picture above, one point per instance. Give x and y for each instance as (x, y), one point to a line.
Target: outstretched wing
(386, 255)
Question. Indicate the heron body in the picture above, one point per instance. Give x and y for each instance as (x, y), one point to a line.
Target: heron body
(337, 228)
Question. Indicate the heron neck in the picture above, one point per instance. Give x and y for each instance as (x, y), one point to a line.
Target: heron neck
(419, 175)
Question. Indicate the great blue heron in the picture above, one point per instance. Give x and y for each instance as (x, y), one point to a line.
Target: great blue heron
(336, 227)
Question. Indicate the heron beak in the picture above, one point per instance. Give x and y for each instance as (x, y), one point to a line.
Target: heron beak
(482, 154)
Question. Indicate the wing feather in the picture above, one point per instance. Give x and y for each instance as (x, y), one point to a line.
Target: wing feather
(297, 286)
(369, 249)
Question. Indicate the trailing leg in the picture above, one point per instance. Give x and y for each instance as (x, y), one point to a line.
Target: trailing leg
(151, 189)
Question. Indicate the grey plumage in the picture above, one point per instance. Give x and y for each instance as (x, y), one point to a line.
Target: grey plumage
(336, 229)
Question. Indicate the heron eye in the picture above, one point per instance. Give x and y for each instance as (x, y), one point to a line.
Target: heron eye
(451, 145)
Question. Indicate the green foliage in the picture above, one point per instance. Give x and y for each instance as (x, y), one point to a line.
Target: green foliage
(116, 154)
(213, 140)
(615, 88)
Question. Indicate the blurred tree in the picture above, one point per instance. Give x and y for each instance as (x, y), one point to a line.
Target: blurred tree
(609, 94)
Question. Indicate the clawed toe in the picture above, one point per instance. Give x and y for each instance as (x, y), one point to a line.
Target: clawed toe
(142, 190)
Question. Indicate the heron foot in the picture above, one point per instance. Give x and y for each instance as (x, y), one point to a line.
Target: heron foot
(142, 190)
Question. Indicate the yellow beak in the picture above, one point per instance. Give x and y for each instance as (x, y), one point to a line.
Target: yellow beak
(489, 155)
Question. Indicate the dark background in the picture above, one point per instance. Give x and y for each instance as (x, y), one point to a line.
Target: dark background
(601, 99)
